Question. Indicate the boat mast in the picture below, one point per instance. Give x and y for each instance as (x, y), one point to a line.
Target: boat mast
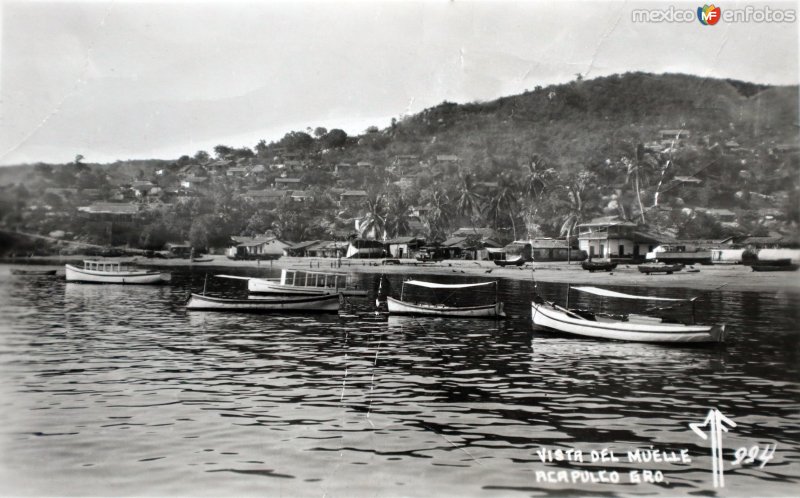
(569, 286)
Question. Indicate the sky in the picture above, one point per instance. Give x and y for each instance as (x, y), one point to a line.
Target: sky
(152, 79)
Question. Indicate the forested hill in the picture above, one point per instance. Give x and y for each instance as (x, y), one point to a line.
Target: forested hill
(523, 164)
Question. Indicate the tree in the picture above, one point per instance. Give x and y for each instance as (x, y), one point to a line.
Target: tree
(198, 235)
(397, 216)
(374, 222)
(296, 140)
(504, 200)
(320, 131)
(223, 151)
(468, 201)
(201, 156)
(335, 138)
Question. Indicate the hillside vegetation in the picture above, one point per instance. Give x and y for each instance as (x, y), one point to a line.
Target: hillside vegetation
(668, 151)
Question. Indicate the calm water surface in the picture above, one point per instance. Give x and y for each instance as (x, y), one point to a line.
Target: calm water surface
(112, 390)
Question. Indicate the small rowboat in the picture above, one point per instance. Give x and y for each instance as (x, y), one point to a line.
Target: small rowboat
(636, 328)
(318, 304)
(401, 307)
(510, 262)
(102, 272)
(593, 266)
(202, 260)
(33, 272)
(656, 268)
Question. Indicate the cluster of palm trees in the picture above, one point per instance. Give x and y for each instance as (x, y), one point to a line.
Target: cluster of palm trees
(534, 191)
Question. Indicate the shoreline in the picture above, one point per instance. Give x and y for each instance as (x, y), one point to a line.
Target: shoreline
(709, 277)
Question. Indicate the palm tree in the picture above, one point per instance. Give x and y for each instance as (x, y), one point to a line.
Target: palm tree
(505, 200)
(374, 220)
(440, 213)
(397, 216)
(468, 202)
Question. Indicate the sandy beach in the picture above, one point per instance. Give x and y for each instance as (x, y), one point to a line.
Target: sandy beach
(707, 277)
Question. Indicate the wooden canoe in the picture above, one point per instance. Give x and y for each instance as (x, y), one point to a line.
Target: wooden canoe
(312, 304)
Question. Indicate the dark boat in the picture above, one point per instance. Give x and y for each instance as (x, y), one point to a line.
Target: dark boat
(657, 268)
(593, 266)
(510, 262)
(33, 272)
(774, 265)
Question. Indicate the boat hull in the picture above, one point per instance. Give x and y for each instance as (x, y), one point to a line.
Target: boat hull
(592, 266)
(668, 269)
(768, 267)
(33, 272)
(74, 274)
(507, 262)
(548, 316)
(398, 307)
(317, 304)
(263, 286)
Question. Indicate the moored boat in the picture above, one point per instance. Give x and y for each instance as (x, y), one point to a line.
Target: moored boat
(660, 268)
(403, 307)
(107, 272)
(519, 261)
(306, 304)
(631, 327)
(593, 266)
(32, 272)
(302, 283)
(774, 265)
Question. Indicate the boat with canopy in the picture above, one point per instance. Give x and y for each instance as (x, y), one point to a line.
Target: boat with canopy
(113, 272)
(302, 283)
(630, 327)
(400, 306)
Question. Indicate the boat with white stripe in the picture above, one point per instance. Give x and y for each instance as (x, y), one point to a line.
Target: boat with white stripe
(113, 272)
(402, 307)
(631, 327)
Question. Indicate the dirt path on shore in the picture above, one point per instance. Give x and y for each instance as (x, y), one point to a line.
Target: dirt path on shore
(709, 277)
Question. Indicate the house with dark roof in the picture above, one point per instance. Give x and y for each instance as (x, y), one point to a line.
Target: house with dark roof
(300, 249)
(674, 134)
(194, 182)
(121, 211)
(263, 196)
(288, 183)
(351, 197)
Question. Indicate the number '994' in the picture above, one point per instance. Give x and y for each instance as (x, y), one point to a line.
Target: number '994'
(748, 455)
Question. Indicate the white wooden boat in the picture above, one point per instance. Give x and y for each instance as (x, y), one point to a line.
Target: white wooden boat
(399, 306)
(107, 272)
(638, 328)
(306, 304)
(302, 283)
